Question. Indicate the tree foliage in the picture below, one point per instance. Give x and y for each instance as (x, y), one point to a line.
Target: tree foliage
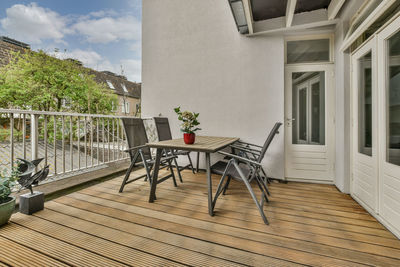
(37, 81)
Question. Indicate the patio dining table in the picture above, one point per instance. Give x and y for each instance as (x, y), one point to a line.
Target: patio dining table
(205, 144)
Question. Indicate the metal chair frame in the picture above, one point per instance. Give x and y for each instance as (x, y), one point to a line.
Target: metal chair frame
(254, 168)
(164, 133)
(140, 153)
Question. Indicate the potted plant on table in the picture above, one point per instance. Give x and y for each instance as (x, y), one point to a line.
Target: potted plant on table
(189, 123)
(7, 202)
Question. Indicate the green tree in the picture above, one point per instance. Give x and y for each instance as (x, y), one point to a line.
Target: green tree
(35, 80)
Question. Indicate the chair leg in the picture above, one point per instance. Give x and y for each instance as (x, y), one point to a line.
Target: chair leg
(178, 170)
(172, 173)
(250, 189)
(146, 167)
(219, 187)
(128, 172)
(191, 163)
(226, 185)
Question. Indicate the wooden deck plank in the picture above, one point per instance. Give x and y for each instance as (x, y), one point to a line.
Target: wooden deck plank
(115, 221)
(95, 244)
(311, 224)
(226, 203)
(269, 241)
(24, 256)
(55, 248)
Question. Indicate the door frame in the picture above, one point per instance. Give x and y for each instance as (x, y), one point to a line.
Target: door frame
(369, 46)
(330, 113)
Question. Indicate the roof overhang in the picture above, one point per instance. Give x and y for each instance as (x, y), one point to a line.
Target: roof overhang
(256, 17)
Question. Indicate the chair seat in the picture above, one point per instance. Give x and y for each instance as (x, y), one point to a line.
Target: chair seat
(220, 166)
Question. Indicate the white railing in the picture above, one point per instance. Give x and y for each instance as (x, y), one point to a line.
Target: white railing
(68, 142)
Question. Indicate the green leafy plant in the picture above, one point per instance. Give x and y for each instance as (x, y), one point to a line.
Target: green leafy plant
(189, 120)
(38, 81)
(7, 182)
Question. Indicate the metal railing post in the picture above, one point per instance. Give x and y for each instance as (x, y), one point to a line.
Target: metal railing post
(34, 135)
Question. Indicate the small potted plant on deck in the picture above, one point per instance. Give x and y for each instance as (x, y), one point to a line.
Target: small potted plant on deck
(189, 123)
(7, 202)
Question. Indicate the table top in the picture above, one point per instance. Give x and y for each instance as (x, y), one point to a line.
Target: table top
(208, 144)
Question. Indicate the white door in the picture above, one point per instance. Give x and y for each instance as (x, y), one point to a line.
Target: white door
(389, 124)
(309, 125)
(364, 183)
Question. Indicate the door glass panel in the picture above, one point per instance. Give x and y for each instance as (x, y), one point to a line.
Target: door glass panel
(365, 105)
(393, 110)
(303, 114)
(308, 108)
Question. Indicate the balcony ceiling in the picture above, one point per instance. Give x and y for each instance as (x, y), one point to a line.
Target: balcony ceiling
(264, 10)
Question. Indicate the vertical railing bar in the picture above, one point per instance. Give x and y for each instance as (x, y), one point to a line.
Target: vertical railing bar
(45, 140)
(85, 125)
(11, 140)
(112, 136)
(71, 145)
(91, 142)
(118, 149)
(79, 141)
(98, 140)
(108, 139)
(34, 135)
(24, 135)
(125, 143)
(55, 143)
(63, 142)
(104, 148)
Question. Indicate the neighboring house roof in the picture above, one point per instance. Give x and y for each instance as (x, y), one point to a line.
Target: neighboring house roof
(117, 83)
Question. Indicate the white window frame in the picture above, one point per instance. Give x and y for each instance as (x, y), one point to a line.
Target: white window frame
(124, 88)
(110, 84)
(329, 36)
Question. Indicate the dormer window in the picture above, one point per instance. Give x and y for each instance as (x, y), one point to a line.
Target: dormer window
(124, 88)
(110, 85)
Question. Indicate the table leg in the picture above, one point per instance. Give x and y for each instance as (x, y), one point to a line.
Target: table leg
(197, 163)
(155, 176)
(209, 185)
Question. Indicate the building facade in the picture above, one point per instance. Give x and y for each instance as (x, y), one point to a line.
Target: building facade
(327, 69)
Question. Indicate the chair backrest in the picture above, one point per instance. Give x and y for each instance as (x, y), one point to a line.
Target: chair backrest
(271, 136)
(136, 135)
(163, 129)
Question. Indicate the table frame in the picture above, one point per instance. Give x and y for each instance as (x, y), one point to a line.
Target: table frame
(178, 144)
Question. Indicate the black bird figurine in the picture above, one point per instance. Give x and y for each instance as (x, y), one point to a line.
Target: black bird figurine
(26, 169)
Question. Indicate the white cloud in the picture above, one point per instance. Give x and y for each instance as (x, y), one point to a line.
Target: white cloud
(131, 67)
(32, 23)
(109, 29)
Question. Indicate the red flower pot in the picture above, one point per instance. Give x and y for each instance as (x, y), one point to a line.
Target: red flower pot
(188, 138)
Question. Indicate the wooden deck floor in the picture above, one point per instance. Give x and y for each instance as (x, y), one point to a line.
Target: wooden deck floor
(310, 224)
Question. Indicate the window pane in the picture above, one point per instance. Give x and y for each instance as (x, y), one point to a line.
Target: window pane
(303, 114)
(307, 51)
(365, 105)
(308, 108)
(393, 111)
(317, 114)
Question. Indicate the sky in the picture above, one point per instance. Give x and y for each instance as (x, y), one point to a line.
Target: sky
(103, 34)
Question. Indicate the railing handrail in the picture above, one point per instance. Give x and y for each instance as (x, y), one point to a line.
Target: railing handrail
(54, 113)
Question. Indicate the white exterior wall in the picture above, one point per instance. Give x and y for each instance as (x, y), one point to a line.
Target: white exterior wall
(342, 83)
(194, 57)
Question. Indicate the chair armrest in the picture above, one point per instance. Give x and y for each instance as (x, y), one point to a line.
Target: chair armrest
(250, 144)
(240, 158)
(168, 157)
(246, 149)
(135, 148)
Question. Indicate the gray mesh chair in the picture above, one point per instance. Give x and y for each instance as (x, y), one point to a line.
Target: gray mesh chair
(140, 153)
(245, 170)
(164, 133)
